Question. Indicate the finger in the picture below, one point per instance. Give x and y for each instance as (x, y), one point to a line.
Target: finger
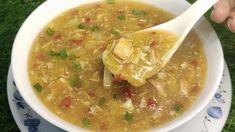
(221, 11)
(231, 22)
(231, 3)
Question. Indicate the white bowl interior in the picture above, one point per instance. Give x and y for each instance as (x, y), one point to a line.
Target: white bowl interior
(50, 9)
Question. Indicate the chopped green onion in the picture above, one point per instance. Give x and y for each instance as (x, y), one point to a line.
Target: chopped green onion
(95, 28)
(82, 26)
(38, 87)
(50, 32)
(121, 17)
(86, 122)
(73, 57)
(63, 54)
(128, 116)
(101, 101)
(77, 66)
(178, 108)
(138, 12)
(73, 80)
(110, 1)
(115, 32)
(53, 53)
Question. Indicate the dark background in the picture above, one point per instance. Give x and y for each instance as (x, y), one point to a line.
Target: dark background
(14, 12)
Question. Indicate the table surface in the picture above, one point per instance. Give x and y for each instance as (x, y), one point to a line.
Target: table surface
(14, 12)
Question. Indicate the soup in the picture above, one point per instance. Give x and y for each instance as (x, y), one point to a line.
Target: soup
(139, 56)
(66, 70)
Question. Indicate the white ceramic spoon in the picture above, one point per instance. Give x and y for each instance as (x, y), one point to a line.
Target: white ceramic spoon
(180, 26)
(183, 24)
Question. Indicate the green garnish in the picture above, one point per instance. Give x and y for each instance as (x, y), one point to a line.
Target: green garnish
(178, 108)
(128, 116)
(101, 101)
(73, 57)
(138, 12)
(53, 53)
(78, 67)
(115, 32)
(121, 17)
(110, 1)
(50, 32)
(62, 53)
(82, 26)
(95, 28)
(38, 87)
(86, 122)
(73, 80)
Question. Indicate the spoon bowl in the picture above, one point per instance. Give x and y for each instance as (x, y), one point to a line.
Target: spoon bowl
(123, 49)
(183, 24)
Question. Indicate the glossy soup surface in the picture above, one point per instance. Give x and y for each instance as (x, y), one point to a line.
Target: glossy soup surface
(66, 70)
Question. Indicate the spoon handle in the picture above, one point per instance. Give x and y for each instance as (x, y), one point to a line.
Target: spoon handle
(194, 13)
(186, 21)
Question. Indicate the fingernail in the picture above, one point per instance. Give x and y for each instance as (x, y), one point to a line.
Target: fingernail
(215, 5)
(229, 23)
(211, 16)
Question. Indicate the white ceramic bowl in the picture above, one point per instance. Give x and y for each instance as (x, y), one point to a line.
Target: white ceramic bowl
(52, 8)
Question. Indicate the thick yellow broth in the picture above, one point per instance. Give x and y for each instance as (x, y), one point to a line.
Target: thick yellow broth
(66, 70)
(141, 55)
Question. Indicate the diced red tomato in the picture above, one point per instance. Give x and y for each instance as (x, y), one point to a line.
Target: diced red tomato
(58, 37)
(153, 33)
(76, 42)
(88, 110)
(91, 94)
(66, 101)
(151, 103)
(195, 88)
(34, 66)
(194, 63)
(88, 20)
(102, 49)
(152, 42)
(118, 78)
(103, 126)
(127, 92)
(40, 56)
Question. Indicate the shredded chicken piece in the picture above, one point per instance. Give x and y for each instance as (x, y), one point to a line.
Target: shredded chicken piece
(66, 84)
(128, 105)
(161, 75)
(172, 113)
(123, 49)
(184, 88)
(157, 114)
(82, 93)
(108, 78)
(184, 65)
(86, 103)
(95, 77)
(143, 103)
(159, 87)
(94, 109)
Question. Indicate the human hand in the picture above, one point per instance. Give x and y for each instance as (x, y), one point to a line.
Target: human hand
(224, 11)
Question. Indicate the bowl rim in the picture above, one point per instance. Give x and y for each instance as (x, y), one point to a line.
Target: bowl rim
(67, 126)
